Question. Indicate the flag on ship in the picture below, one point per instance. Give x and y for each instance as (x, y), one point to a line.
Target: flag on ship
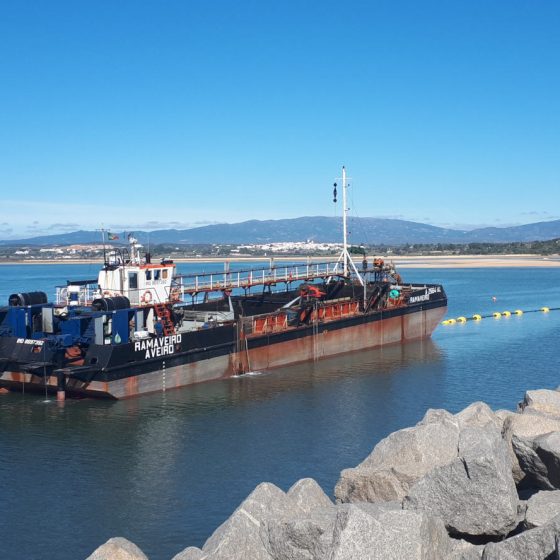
(112, 236)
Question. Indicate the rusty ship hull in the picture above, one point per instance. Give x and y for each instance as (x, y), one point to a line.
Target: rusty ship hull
(256, 343)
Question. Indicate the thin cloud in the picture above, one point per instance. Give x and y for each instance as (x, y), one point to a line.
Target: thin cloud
(155, 225)
(392, 217)
(67, 227)
(469, 227)
(541, 215)
(206, 223)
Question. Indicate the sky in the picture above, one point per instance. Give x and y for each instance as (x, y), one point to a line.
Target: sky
(153, 115)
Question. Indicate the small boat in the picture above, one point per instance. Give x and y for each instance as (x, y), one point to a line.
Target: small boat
(141, 327)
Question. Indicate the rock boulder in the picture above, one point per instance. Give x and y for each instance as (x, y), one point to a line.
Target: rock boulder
(519, 430)
(190, 553)
(308, 495)
(238, 538)
(539, 459)
(301, 538)
(534, 544)
(478, 414)
(117, 548)
(541, 508)
(475, 493)
(542, 400)
(372, 532)
(401, 459)
(464, 550)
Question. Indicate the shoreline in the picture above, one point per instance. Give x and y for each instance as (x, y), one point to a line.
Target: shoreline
(412, 261)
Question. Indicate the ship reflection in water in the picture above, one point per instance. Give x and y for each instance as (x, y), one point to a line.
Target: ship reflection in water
(350, 371)
(375, 367)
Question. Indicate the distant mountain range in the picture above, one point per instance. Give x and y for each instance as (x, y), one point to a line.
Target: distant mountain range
(317, 228)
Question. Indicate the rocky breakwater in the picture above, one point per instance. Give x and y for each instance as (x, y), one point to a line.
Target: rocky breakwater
(474, 485)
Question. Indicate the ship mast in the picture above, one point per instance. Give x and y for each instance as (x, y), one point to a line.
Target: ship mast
(344, 221)
(347, 261)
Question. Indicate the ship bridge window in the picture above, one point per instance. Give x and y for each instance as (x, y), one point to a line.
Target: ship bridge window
(156, 274)
(148, 274)
(164, 273)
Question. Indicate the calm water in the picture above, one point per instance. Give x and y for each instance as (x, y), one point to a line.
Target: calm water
(164, 470)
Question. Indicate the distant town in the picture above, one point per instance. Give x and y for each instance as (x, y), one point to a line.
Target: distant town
(80, 252)
(95, 252)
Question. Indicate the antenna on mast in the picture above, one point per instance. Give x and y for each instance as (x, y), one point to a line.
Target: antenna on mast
(102, 230)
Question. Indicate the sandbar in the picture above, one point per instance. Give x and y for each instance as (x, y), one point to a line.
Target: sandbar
(409, 261)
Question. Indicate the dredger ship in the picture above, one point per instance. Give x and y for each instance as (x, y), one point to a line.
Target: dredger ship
(141, 327)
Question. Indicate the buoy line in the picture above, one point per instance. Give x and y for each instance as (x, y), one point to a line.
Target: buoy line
(498, 315)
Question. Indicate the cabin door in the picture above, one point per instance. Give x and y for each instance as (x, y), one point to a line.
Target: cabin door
(133, 295)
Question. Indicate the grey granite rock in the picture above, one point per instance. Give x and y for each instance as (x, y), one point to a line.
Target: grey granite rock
(521, 512)
(541, 508)
(534, 544)
(539, 458)
(519, 430)
(464, 550)
(401, 459)
(435, 415)
(117, 548)
(503, 414)
(308, 495)
(238, 538)
(477, 414)
(531, 471)
(373, 532)
(530, 425)
(542, 400)
(190, 553)
(547, 448)
(474, 494)
(300, 538)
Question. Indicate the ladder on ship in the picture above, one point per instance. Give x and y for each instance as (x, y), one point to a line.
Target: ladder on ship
(164, 315)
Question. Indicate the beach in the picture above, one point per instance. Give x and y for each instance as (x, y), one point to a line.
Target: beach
(476, 261)
(412, 261)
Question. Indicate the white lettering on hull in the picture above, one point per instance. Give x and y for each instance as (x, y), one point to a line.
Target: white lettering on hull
(158, 347)
(30, 341)
(425, 296)
(417, 299)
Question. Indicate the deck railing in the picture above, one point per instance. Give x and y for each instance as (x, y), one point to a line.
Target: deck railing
(230, 280)
(76, 294)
